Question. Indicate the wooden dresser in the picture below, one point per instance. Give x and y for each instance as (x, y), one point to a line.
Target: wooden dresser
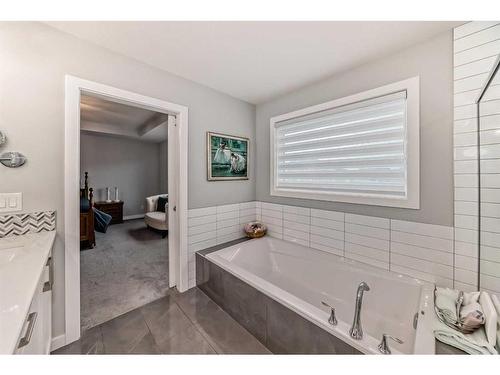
(115, 209)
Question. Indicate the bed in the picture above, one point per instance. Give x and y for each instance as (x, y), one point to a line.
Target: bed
(87, 232)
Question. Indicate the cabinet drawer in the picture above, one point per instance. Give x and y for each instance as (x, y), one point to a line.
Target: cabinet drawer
(36, 334)
(31, 340)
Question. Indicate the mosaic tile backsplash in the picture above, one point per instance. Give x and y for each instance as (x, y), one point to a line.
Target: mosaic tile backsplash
(18, 224)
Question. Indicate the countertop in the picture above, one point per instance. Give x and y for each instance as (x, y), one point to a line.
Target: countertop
(22, 261)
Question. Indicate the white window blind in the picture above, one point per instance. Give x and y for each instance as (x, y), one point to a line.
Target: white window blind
(355, 149)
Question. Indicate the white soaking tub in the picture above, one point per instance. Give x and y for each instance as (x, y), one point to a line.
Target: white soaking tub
(300, 278)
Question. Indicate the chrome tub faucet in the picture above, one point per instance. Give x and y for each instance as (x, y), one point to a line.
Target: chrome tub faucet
(356, 331)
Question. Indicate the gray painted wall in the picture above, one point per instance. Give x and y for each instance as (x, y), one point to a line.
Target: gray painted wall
(131, 165)
(432, 61)
(164, 166)
(34, 58)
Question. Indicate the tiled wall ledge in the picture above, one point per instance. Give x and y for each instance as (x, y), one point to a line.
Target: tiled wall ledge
(424, 251)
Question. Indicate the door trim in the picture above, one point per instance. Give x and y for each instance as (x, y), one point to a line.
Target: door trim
(74, 87)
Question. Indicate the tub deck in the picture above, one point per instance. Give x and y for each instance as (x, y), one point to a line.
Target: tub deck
(278, 325)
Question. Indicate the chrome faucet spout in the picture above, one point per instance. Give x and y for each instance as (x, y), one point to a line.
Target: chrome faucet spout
(356, 331)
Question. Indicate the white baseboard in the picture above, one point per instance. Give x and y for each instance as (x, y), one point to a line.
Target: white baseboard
(58, 342)
(132, 217)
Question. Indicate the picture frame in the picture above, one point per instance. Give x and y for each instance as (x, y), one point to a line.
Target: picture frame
(227, 157)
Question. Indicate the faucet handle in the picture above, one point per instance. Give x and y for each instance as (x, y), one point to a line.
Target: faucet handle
(332, 319)
(383, 347)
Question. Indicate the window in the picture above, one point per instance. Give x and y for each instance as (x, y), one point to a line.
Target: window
(359, 149)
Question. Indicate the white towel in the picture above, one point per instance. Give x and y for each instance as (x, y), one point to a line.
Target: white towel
(471, 307)
(471, 297)
(496, 303)
(491, 317)
(446, 304)
(473, 343)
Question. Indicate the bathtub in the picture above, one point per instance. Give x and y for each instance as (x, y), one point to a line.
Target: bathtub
(299, 278)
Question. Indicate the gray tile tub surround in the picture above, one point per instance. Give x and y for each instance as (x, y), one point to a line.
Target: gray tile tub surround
(280, 329)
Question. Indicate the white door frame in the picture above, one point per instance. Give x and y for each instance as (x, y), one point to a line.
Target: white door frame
(74, 87)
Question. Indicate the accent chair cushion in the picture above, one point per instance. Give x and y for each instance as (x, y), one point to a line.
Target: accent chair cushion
(162, 202)
(157, 220)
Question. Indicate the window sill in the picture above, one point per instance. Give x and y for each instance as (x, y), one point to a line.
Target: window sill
(365, 199)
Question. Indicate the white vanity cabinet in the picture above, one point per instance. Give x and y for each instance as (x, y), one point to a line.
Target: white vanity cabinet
(26, 283)
(36, 334)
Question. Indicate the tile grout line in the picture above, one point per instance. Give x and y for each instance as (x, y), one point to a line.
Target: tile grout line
(197, 328)
(150, 332)
(343, 246)
(390, 244)
(475, 46)
(472, 33)
(101, 335)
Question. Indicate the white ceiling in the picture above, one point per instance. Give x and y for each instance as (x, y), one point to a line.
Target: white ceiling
(106, 117)
(255, 61)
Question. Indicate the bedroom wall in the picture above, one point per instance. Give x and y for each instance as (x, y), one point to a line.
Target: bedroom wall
(164, 167)
(432, 61)
(34, 59)
(117, 161)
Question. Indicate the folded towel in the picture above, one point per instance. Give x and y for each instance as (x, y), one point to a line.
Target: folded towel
(491, 317)
(471, 307)
(471, 297)
(471, 317)
(496, 303)
(473, 343)
(446, 304)
(472, 322)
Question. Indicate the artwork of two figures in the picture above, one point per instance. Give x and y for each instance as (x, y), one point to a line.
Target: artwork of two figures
(227, 157)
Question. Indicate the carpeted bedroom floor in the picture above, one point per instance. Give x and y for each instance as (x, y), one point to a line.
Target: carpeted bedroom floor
(126, 269)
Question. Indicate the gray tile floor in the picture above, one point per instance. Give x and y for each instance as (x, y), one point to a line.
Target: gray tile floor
(187, 323)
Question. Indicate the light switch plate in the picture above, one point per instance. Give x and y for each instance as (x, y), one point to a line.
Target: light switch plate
(11, 202)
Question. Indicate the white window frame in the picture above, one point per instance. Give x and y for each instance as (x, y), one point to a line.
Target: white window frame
(412, 144)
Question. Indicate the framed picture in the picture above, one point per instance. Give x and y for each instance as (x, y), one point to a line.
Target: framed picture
(227, 157)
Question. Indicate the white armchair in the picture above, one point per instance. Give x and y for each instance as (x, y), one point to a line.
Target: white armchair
(153, 218)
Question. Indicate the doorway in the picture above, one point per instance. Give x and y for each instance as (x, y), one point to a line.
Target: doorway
(177, 187)
(123, 209)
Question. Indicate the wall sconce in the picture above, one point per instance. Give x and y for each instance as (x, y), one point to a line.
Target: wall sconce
(10, 159)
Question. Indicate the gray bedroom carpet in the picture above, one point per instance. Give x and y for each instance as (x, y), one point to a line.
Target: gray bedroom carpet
(126, 269)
